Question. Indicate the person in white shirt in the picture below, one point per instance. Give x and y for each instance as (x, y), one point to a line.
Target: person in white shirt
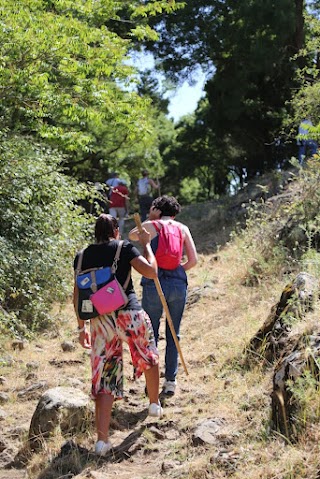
(112, 182)
(144, 193)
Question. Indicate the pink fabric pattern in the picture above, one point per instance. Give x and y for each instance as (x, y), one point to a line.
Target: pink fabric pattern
(107, 334)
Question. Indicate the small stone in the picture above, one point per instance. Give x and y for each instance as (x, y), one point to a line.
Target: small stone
(68, 346)
(33, 365)
(2, 414)
(2, 380)
(75, 382)
(207, 431)
(32, 388)
(7, 361)
(157, 433)
(18, 344)
(4, 397)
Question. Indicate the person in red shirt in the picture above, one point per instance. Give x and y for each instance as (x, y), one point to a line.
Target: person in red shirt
(119, 203)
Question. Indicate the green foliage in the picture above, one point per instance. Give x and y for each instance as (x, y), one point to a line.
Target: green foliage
(310, 262)
(189, 190)
(287, 233)
(306, 101)
(305, 393)
(248, 50)
(40, 230)
(65, 79)
(69, 108)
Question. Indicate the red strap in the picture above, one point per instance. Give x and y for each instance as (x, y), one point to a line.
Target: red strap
(155, 224)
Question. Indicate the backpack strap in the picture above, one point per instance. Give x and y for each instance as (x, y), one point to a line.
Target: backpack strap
(113, 268)
(115, 265)
(156, 226)
(79, 263)
(116, 257)
(92, 273)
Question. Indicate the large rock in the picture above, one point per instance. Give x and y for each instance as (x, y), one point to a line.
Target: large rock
(298, 367)
(61, 409)
(272, 338)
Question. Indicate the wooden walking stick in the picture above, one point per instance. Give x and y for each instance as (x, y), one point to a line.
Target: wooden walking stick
(164, 303)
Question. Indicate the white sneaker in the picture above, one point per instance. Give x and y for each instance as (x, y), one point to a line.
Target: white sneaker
(169, 388)
(102, 448)
(155, 410)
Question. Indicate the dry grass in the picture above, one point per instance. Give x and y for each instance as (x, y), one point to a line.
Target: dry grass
(215, 331)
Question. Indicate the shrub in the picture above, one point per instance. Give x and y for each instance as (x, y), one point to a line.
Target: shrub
(41, 227)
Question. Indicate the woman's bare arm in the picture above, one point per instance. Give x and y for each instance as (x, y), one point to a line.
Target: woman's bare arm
(190, 249)
(134, 233)
(84, 334)
(147, 264)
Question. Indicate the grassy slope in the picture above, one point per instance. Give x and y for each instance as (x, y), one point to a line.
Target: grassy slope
(215, 330)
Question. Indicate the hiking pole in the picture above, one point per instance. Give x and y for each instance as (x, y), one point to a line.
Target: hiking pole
(164, 303)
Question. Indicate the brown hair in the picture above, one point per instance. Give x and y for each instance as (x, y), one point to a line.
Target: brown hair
(105, 229)
(168, 205)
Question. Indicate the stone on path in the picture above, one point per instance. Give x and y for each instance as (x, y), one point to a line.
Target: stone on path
(61, 409)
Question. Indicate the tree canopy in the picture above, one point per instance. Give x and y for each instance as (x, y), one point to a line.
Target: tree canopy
(70, 111)
(257, 58)
(66, 79)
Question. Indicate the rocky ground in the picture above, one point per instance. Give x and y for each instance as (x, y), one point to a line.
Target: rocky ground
(216, 426)
(192, 427)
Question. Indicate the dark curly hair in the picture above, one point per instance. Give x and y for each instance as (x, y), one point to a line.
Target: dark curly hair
(168, 205)
(105, 229)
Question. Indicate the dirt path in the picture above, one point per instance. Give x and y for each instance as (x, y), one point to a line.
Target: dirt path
(215, 328)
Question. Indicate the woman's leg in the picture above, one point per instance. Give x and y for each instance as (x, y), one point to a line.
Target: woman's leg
(103, 410)
(137, 331)
(175, 292)
(152, 305)
(107, 371)
(152, 379)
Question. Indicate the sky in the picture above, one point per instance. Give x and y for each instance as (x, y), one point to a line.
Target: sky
(184, 99)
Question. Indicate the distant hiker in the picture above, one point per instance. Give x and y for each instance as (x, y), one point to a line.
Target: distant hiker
(144, 193)
(107, 332)
(119, 203)
(173, 281)
(112, 182)
(307, 146)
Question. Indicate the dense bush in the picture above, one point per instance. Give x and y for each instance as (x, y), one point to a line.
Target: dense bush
(283, 235)
(41, 227)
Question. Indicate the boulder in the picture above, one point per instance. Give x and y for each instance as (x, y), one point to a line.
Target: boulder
(298, 368)
(272, 338)
(61, 409)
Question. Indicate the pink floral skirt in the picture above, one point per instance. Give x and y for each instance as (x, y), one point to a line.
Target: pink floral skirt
(107, 335)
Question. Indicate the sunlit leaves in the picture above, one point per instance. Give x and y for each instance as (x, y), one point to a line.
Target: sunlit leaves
(63, 74)
(40, 229)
